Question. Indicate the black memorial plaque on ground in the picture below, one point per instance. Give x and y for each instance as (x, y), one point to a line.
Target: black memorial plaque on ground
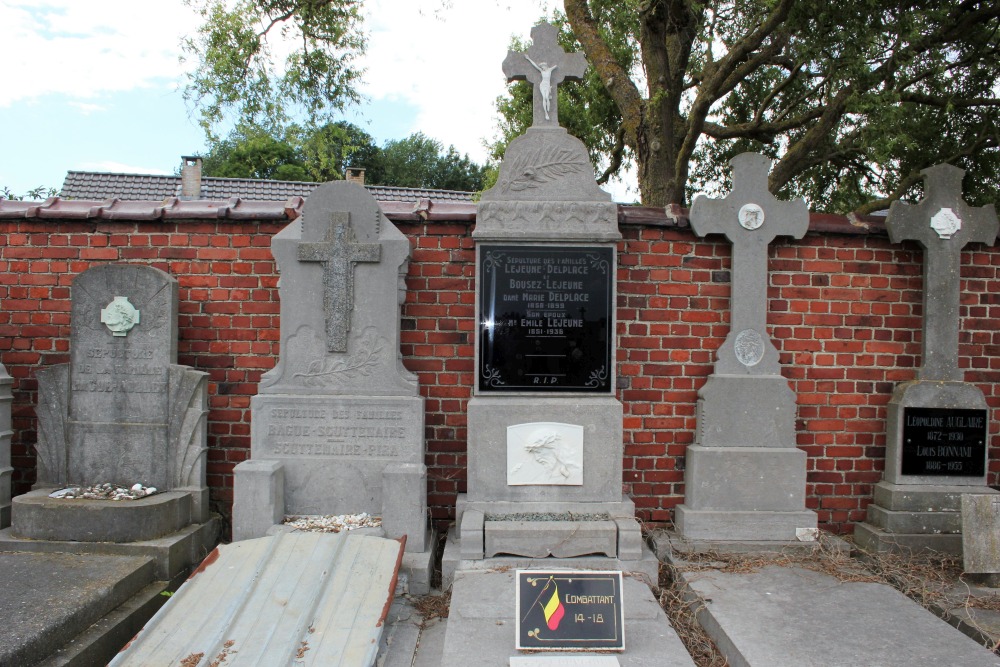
(941, 441)
(545, 319)
(562, 610)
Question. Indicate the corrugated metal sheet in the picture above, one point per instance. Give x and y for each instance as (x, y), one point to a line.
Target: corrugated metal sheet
(290, 599)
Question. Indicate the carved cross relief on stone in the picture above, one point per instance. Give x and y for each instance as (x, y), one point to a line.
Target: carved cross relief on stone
(545, 65)
(339, 252)
(750, 217)
(942, 223)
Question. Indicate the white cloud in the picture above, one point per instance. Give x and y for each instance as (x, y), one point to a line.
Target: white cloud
(87, 108)
(83, 49)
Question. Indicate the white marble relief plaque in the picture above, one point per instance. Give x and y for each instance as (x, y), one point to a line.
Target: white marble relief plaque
(751, 216)
(946, 223)
(120, 316)
(749, 347)
(545, 453)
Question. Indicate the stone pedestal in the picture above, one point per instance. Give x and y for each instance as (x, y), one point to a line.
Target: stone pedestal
(744, 477)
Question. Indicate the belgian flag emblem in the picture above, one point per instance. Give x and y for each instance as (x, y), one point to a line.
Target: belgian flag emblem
(554, 609)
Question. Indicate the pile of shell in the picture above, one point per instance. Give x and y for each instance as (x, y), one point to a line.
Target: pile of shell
(333, 523)
(105, 492)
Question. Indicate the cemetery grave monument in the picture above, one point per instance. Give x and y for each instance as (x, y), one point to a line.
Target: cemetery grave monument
(338, 425)
(744, 478)
(545, 430)
(937, 436)
(122, 412)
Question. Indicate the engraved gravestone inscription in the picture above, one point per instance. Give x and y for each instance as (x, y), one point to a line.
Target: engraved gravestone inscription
(546, 318)
(939, 441)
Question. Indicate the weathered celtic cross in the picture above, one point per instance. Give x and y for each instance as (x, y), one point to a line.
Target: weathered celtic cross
(338, 253)
(942, 223)
(545, 65)
(750, 217)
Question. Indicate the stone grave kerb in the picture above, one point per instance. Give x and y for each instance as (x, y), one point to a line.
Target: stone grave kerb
(545, 65)
(750, 217)
(943, 224)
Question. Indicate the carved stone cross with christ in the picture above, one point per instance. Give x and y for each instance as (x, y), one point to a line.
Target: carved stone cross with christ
(942, 223)
(750, 217)
(545, 65)
(338, 253)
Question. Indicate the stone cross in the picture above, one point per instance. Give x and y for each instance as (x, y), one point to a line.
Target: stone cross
(942, 223)
(545, 65)
(750, 217)
(339, 253)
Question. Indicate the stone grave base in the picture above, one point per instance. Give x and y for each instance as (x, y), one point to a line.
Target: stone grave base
(546, 529)
(39, 517)
(644, 565)
(744, 493)
(481, 625)
(173, 555)
(666, 542)
(908, 518)
(68, 609)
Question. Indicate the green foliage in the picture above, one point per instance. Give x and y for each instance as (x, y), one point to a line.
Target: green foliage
(322, 154)
(238, 70)
(41, 192)
(852, 99)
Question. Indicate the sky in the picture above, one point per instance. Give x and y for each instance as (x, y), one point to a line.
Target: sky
(97, 85)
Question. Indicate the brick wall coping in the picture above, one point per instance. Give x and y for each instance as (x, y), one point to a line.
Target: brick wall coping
(174, 208)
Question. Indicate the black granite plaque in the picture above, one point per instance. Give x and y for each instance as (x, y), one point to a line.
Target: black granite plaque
(545, 318)
(561, 610)
(940, 441)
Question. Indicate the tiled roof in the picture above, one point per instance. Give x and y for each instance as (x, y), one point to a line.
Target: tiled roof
(146, 187)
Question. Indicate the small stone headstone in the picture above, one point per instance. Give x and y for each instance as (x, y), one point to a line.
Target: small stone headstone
(122, 411)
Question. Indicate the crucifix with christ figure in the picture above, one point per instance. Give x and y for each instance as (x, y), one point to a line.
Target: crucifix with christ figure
(339, 252)
(750, 217)
(545, 65)
(942, 223)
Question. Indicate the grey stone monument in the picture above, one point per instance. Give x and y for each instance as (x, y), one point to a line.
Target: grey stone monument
(6, 471)
(338, 424)
(544, 426)
(121, 412)
(745, 478)
(938, 425)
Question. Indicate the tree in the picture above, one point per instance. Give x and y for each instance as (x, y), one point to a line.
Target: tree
(852, 98)
(322, 154)
(418, 162)
(237, 70)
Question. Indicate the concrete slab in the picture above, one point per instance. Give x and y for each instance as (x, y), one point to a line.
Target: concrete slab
(792, 616)
(481, 625)
(48, 599)
(875, 540)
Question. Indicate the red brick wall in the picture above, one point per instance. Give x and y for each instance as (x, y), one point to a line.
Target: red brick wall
(844, 312)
